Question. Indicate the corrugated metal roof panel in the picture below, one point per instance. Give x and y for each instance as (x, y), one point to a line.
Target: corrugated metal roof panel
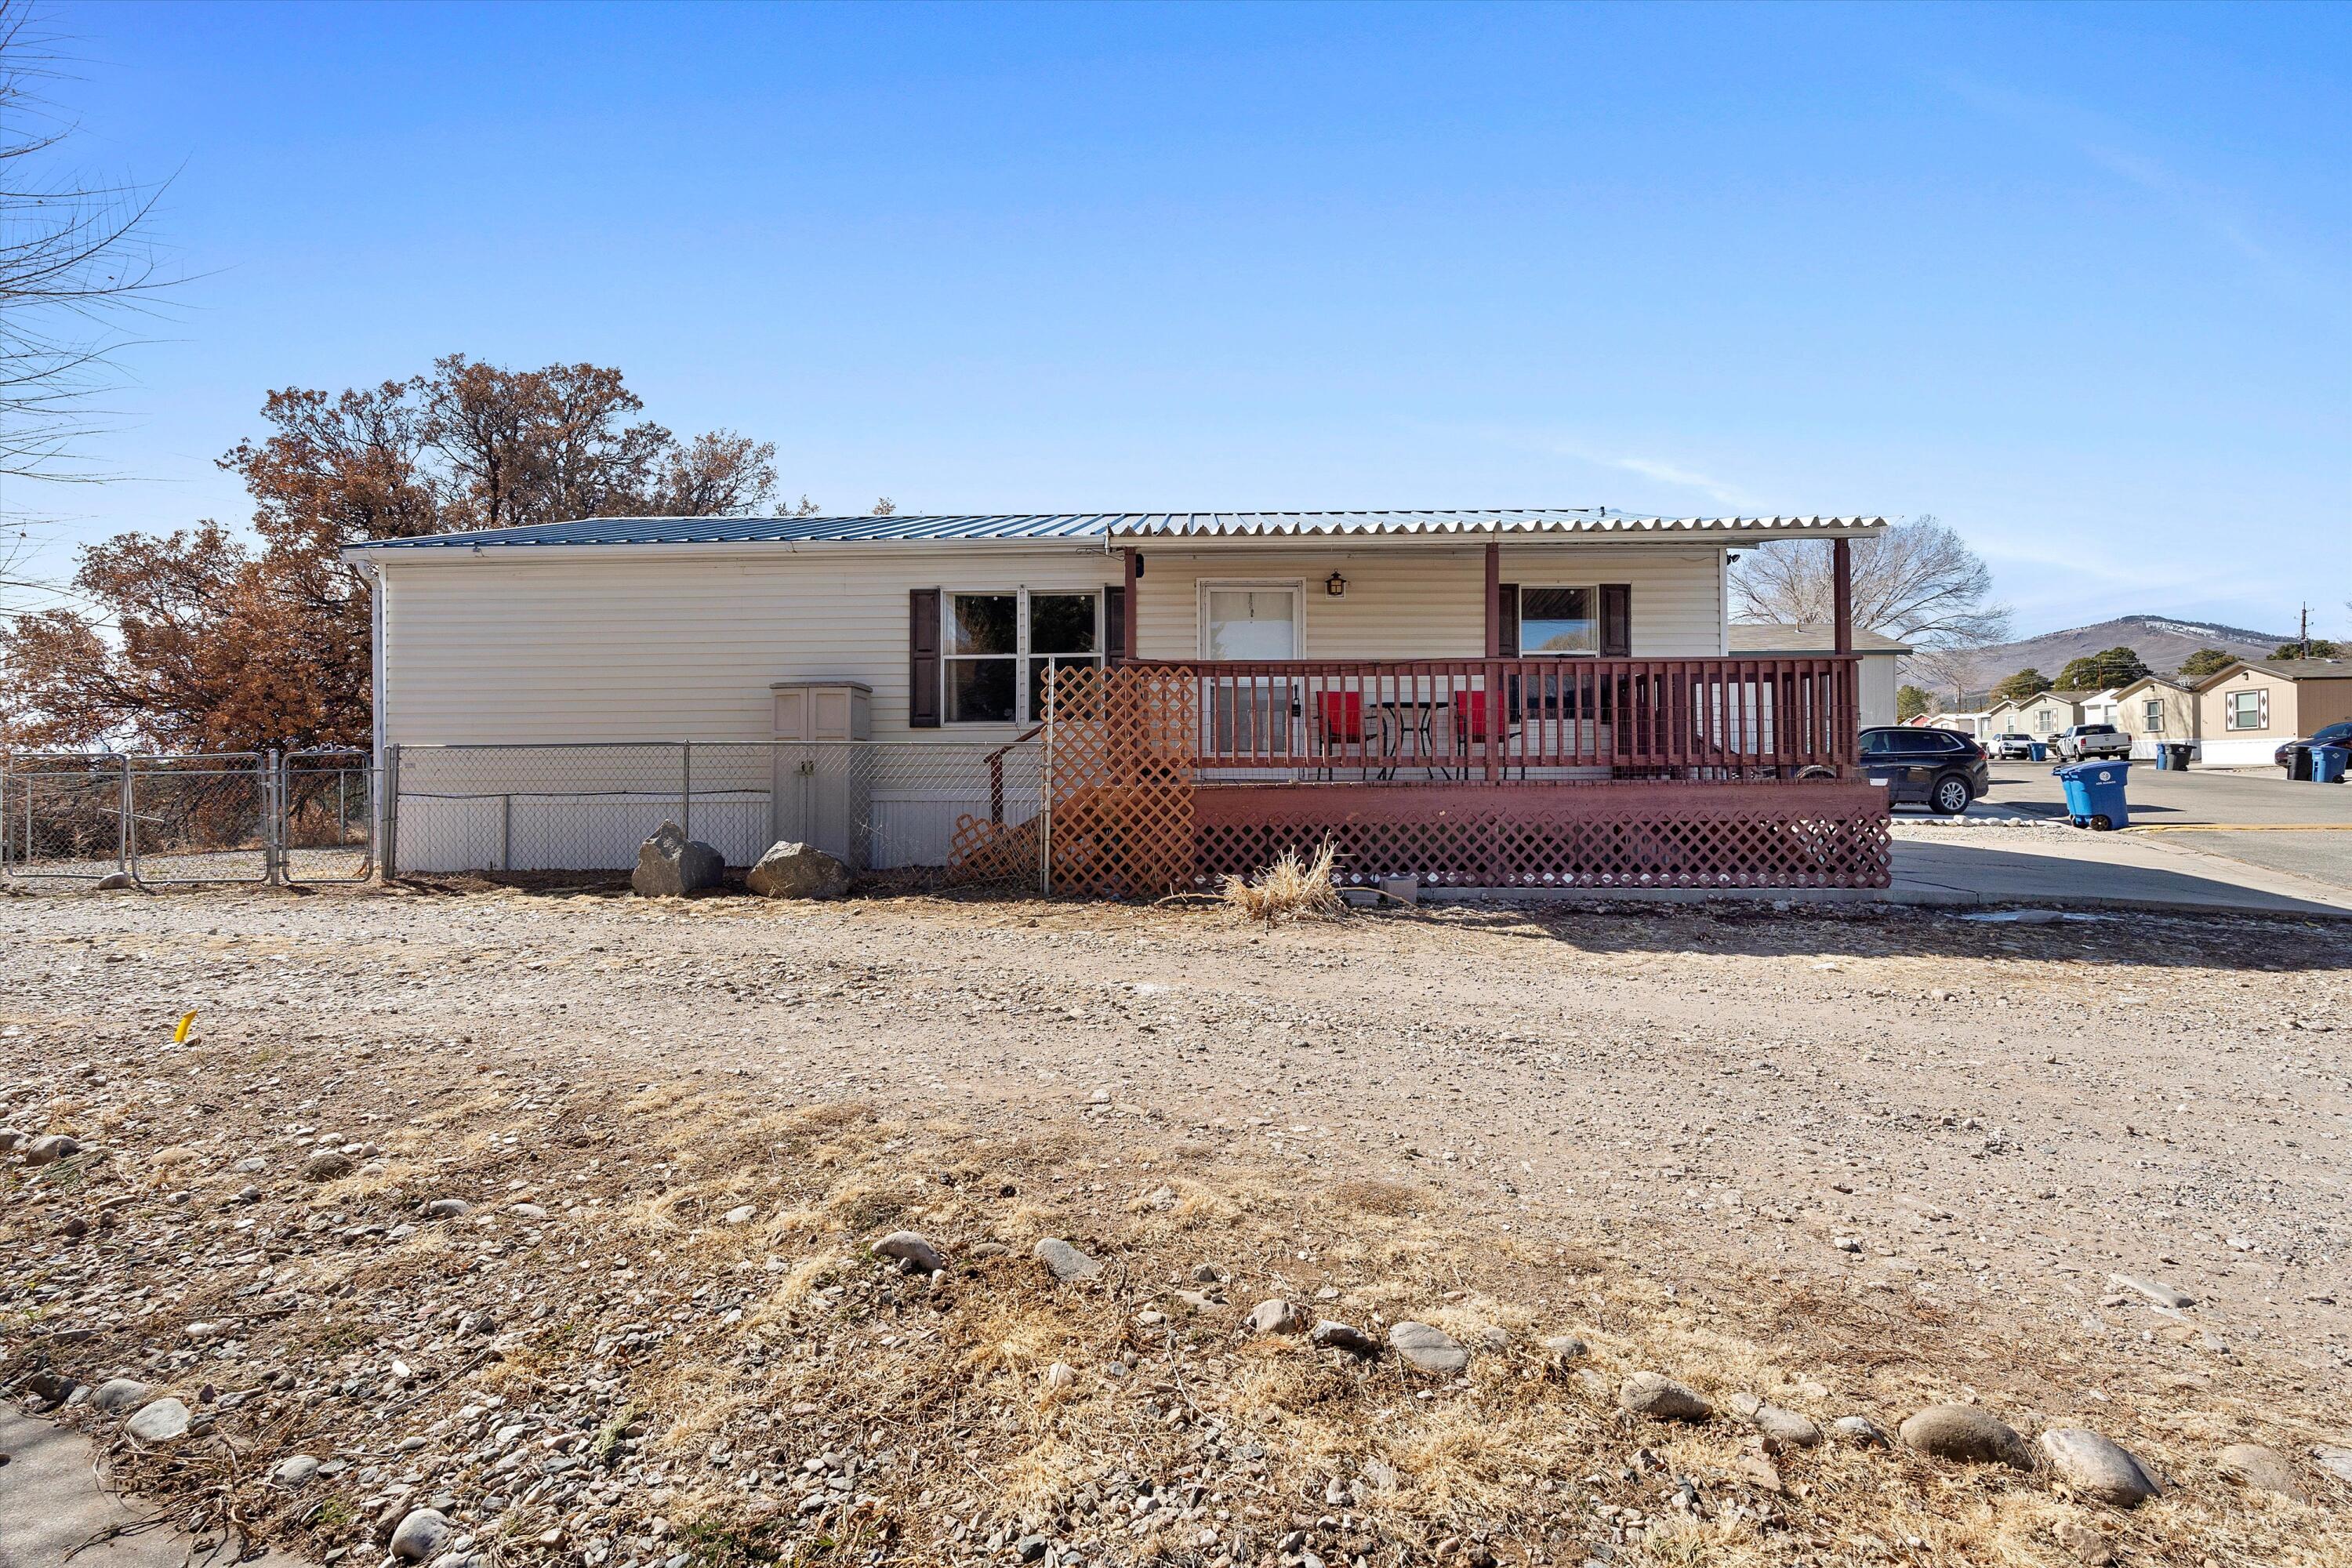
(617, 530)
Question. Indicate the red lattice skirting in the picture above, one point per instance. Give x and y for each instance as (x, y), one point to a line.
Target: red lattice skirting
(1798, 833)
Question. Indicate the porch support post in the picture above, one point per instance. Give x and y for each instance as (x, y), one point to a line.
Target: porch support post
(1493, 600)
(1842, 591)
(1127, 602)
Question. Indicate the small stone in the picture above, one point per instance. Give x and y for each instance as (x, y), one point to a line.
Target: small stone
(1061, 1374)
(447, 1208)
(158, 1422)
(2336, 1462)
(527, 1211)
(420, 1535)
(1428, 1349)
(1860, 1432)
(1966, 1434)
(909, 1248)
(116, 882)
(2097, 1468)
(1030, 1548)
(294, 1471)
(1276, 1317)
(1566, 1347)
(1660, 1398)
(1067, 1262)
(1783, 1426)
(2156, 1290)
(327, 1164)
(1205, 1274)
(797, 871)
(1760, 1472)
(51, 1148)
(2259, 1466)
(1335, 1336)
(740, 1214)
(2089, 1547)
(118, 1393)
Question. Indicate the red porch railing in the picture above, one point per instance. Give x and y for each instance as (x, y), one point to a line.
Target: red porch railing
(1513, 719)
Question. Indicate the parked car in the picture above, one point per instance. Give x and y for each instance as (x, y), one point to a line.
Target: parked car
(2327, 735)
(1939, 769)
(2012, 744)
(2079, 742)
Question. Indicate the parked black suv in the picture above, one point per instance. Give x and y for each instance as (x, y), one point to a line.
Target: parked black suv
(1939, 769)
(2338, 734)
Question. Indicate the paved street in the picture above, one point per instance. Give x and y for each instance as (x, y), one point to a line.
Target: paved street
(2299, 827)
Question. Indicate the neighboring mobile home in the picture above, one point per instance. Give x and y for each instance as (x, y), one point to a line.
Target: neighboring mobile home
(2153, 711)
(1480, 651)
(1878, 658)
(2247, 712)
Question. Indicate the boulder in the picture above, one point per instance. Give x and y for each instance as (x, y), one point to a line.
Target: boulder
(671, 865)
(797, 871)
(1967, 1433)
(294, 1471)
(51, 1148)
(158, 1422)
(2097, 1468)
(2252, 1464)
(1660, 1398)
(326, 1166)
(420, 1535)
(118, 1393)
(1428, 1349)
(1785, 1426)
(1335, 1336)
(1066, 1261)
(116, 882)
(912, 1252)
(1276, 1317)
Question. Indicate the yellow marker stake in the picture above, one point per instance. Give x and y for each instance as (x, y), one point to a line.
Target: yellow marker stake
(180, 1035)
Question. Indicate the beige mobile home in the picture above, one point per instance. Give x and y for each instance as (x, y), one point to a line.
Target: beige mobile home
(2153, 711)
(2248, 710)
(1878, 657)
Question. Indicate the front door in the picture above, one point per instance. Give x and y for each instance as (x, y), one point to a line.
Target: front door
(1252, 623)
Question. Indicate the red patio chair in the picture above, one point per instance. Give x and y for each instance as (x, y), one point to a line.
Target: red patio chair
(1339, 725)
(1474, 711)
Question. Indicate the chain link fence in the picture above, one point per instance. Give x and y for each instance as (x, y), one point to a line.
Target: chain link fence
(877, 804)
(230, 817)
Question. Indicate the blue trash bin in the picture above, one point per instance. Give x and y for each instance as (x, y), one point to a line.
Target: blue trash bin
(2094, 792)
(2330, 764)
(2040, 752)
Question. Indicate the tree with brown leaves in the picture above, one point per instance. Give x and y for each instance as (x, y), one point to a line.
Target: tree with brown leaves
(198, 641)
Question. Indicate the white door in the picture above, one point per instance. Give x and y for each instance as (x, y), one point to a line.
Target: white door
(1251, 623)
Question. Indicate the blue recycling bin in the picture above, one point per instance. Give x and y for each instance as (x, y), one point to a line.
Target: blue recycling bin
(2040, 752)
(2094, 792)
(2330, 764)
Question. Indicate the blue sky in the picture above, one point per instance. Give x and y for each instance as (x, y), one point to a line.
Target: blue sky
(2075, 279)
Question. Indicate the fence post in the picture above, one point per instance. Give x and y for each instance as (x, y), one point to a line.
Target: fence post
(686, 787)
(1045, 794)
(506, 832)
(126, 839)
(273, 820)
(388, 811)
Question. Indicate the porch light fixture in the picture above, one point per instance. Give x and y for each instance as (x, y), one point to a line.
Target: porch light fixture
(1335, 585)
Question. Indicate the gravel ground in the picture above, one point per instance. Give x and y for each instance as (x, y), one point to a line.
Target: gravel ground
(1858, 1132)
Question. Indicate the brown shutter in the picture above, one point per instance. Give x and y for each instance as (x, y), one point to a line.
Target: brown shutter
(1115, 621)
(1508, 615)
(923, 659)
(1617, 620)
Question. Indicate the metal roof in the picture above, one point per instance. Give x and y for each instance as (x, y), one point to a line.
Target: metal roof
(618, 531)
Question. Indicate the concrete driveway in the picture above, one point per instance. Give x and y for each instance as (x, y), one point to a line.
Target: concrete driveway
(2257, 817)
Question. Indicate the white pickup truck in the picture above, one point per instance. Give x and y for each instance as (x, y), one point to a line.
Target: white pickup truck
(2079, 742)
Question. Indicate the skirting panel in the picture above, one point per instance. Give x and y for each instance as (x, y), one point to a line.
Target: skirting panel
(1808, 834)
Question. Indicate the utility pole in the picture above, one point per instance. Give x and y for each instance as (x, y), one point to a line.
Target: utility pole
(2303, 637)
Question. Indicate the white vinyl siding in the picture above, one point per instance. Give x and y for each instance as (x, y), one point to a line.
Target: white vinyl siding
(681, 647)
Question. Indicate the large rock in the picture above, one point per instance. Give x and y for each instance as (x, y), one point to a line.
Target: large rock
(420, 1535)
(294, 1471)
(327, 1164)
(1066, 1261)
(911, 1250)
(1660, 1398)
(2259, 1466)
(1785, 1426)
(118, 1393)
(1331, 1335)
(2097, 1468)
(671, 865)
(1276, 1316)
(51, 1148)
(1428, 1349)
(1967, 1433)
(160, 1421)
(797, 871)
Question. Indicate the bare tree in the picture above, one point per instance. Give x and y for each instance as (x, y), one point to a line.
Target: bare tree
(75, 266)
(1918, 581)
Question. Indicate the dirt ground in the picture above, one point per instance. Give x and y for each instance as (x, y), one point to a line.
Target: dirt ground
(1856, 1160)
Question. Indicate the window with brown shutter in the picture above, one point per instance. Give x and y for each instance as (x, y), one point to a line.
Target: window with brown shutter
(1616, 620)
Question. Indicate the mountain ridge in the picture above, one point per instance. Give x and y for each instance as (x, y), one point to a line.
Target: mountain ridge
(2162, 642)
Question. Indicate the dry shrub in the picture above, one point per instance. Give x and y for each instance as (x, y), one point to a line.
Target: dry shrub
(1369, 1194)
(1289, 890)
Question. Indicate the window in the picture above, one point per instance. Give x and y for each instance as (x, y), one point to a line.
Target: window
(1560, 620)
(1249, 621)
(2250, 710)
(997, 647)
(2151, 715)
